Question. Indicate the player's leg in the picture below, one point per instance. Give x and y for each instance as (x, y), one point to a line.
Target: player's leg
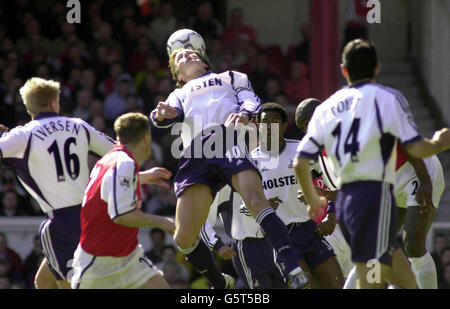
(401, 274)
(329, 274)
(248, 184)
(371, 277)
(416, 228)
(401, 217)
(156, 282)
(44, 278)
(191, 214)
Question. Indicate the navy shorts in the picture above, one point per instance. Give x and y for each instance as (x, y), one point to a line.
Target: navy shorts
(60, 235)
(308, 245)
(255, 264)
(215, 171)
(367, 215)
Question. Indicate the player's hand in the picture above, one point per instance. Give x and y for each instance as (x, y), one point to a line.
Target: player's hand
(3, 128)
(301, 196)
(168, 225)
(424, 196)
(274, 202)
(237, 119)
(442, 137)
(326, 227)
(165, 111)
(155, 176)
(316, 207)
(226, 253)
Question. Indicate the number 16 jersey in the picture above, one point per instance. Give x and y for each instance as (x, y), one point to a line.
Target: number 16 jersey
(50, 156)
(358, 127)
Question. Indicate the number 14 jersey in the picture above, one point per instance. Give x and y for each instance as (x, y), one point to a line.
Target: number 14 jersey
(358, 127)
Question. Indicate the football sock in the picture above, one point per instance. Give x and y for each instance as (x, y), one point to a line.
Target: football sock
(425, 271)
(202, 259)
(277, 235)
(350, 282)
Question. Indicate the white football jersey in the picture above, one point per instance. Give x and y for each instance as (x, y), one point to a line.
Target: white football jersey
(358, 127)
(279, 180)
(50, 156)
(208, 101)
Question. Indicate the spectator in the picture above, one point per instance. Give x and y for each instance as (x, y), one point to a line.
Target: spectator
(261, 74)
(108, 85)
(237, 29)
(134, 104)
(5, 282)
(440, 243)
(272, 89)
(84, 103)
(153, 67)
(169, 265)
(356, 21)
(297, 87)
(158, 238)
(33, 262)
(446, 281)
(10, 261)
(205, 23)
(137, 60)
(162, 27)
(149, 90)
(163, 202)
(216, 54)
(115, 104)
(10, 205)
(444, 260)
(300, 52)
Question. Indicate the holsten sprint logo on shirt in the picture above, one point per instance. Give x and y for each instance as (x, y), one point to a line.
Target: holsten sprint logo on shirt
(195, 140)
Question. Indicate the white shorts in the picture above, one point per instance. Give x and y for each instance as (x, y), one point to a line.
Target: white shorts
(107, 272)
(341, 249)
(407, 183)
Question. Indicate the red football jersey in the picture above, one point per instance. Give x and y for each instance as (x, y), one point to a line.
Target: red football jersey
(401, 157)
(113, 190)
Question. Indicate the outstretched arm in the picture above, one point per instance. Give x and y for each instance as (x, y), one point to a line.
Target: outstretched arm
(313, 200)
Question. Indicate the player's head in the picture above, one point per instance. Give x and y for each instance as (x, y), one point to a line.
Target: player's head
(187, 63)
(133, 131)
(359, 61)
(40, 95)
(270, 114)
(304, 112)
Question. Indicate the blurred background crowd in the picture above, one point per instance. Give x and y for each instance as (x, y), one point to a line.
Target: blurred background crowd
(114, 62)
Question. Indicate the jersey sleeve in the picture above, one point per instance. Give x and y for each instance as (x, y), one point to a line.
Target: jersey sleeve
(398, 120)
(174, 101)
(248, 101)
(13, 143)
(119, 189)
(99, 143)
(312, 143)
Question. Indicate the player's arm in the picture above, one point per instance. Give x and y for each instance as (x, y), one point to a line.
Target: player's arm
(249, 102)
(167, 113)
(99, 143)
(214, 242)
(138, 218)
(155, 176)
(424, 148)
(12, 143)
(314, 201)
(119, 190)
(424, 194)
(398, 120)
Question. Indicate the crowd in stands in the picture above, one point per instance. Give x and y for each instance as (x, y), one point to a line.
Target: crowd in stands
(114, 62)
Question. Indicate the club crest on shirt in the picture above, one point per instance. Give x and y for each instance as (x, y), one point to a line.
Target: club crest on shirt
(125, 182)
(291, 163)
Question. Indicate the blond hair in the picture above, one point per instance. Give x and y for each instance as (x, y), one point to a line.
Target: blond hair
(173, 66)
(38, 93)
(130, 128)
